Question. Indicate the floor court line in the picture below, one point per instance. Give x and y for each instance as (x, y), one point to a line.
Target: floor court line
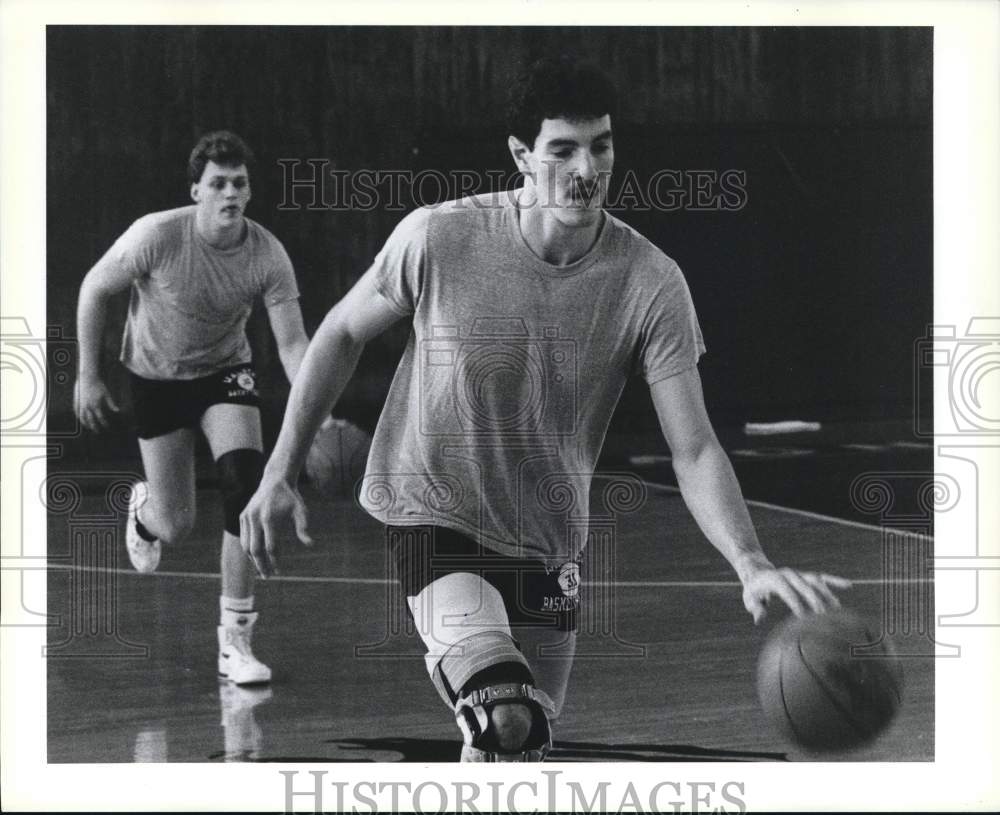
(384, 581)
(667, 488)
(804, 513)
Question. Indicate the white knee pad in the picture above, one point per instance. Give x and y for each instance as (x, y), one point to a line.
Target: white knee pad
(463, 622)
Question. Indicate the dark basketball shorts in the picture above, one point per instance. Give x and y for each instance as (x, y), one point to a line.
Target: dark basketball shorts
(533, 594)
(164, 405)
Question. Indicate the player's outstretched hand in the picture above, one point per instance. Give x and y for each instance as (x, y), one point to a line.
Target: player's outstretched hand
(265, 519)
(802, 592)
(93, 404)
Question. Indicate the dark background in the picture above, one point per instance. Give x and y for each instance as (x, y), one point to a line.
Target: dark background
(810, 297)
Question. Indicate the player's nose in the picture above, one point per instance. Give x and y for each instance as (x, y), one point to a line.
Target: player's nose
(586, 170)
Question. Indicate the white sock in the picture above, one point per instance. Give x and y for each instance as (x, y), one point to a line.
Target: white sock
(233, 610)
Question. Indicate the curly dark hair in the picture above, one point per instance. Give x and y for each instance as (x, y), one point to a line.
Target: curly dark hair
(221, 146)
(558, 87)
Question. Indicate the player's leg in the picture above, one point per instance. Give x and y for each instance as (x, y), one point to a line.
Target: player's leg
(234, 435)
(550, 655)
(544, 621)
(163, 506)
(474, 662)
(479, 670)
(236, 441)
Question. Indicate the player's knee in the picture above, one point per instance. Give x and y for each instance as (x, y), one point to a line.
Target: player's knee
(501, 713)
(239, 475)
(512, 726)
(503, 722)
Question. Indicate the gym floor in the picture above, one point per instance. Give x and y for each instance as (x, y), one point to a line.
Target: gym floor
(666, 659)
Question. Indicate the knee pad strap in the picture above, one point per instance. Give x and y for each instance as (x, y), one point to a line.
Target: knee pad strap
(467, 657)
(239, 475)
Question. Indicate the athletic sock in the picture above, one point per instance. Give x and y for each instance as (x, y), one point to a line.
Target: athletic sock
(233, 610)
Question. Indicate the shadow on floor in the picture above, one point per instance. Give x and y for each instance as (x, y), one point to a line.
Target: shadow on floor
(442, 750)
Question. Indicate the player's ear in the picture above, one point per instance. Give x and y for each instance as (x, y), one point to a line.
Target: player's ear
(195, 195)
(519, 152)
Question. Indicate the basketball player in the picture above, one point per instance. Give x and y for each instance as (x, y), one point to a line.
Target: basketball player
(528, 314)
(193, 274)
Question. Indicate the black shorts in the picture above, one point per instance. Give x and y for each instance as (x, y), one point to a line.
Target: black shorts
(164, 405)
(532, 594)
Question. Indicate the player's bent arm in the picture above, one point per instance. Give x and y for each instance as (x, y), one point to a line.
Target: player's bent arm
(289, 335)
(326, 369)
(103, 281)
(712, 493)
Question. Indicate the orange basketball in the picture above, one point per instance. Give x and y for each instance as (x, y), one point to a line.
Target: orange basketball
(827, 682)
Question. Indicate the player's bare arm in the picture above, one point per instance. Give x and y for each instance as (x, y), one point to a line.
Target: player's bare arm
(712, 494)
(289, 334)
(326, 368)
(93, 402)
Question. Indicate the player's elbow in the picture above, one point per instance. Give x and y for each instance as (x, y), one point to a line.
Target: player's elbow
(339, 333)
(96, 288)
(687, 453)
(91, 288)
(291, 351)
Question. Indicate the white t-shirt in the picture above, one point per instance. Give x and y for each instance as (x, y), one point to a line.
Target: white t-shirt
(190, 301)
(498, 410)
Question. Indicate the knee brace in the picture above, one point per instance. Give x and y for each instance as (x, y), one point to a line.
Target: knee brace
(239, 475)
(490, 671)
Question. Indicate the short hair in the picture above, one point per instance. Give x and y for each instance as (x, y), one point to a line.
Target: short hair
(221, 146)
(558, 87)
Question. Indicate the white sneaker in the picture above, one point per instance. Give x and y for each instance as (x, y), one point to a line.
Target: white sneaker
(145, 555)
(236, 660)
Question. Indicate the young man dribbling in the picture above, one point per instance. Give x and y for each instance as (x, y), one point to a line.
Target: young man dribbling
(194, 273)
(528, 315)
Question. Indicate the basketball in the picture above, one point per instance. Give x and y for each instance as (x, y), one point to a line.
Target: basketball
(828, 683)
(337, 458)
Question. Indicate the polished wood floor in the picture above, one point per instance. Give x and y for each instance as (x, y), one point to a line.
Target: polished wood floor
(131, 670)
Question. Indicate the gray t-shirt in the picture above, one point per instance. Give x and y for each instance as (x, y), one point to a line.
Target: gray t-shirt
(502, 400)
(190, 301)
